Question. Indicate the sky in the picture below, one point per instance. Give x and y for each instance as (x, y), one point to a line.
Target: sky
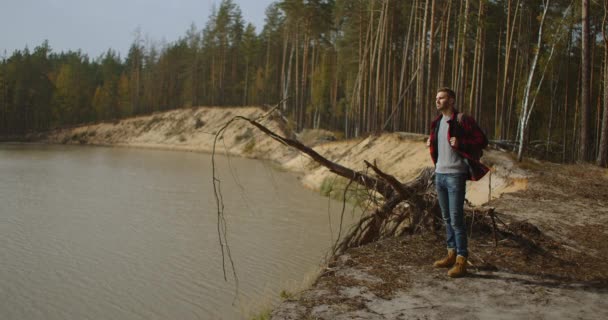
(94, 26)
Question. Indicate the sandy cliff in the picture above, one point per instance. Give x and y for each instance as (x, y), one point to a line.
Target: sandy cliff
(402, 155)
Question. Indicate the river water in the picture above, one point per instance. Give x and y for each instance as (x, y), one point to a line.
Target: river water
(114, 233)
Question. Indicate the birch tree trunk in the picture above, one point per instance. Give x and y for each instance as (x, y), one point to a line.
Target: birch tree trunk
(524, 116)
(287, 79)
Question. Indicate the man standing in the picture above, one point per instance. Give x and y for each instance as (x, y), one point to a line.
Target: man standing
(456, 144)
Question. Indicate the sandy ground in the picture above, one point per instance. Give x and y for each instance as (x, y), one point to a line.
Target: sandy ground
(394, 279)
(490, 295)
(564, 277)
(563, 274)
(191, 129)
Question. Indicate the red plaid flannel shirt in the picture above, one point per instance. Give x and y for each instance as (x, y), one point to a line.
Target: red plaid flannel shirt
(471, 141)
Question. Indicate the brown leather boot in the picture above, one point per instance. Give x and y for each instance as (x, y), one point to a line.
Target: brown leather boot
(460, 267)
(447, 261)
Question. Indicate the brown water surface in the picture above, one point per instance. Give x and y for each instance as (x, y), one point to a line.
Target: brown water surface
(113, 233)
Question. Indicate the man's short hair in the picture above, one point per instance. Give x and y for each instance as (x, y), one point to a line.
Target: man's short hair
(449, 91)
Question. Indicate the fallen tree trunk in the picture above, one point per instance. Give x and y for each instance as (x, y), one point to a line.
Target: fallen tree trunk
(380, 186)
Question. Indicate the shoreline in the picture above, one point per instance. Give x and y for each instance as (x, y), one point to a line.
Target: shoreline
(193, 129)
(355, 285)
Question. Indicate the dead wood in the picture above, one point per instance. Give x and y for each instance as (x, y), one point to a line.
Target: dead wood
(380, 186)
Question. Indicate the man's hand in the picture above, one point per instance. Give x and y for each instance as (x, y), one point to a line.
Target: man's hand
(428, 142)
(454, 142)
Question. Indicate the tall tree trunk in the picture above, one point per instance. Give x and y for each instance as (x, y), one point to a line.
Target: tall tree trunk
(480, 78)
(267, 97)
(287, 78)
(476, 63)
(552, 102)
(518, 66)
(526, 107)
(445, 39)
(566, 102)
(379, 52)
(602, 155)
(430, 70)
(585, 138)
(246, 86)
(496, 93)
(283, 70)
(414, 106)
(388, 95)
(305, 74)
(404, 64)
(511, 21)
(420, 92)
(296, 84)
(575, 123)
(461, 87)
(313, 69)
(456, 51)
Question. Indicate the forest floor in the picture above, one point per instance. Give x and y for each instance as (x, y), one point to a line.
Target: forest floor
(561, 273)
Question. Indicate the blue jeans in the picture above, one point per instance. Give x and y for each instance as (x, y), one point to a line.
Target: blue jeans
(451, 189)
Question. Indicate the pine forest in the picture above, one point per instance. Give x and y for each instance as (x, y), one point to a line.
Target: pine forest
(532, 72)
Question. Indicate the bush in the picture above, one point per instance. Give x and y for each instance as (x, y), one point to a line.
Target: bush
(199, 123)
(249, 146)
(151, 123)
(248, 134)
(333, 187)
(285, 295)
(264, 315)
(327, 186)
